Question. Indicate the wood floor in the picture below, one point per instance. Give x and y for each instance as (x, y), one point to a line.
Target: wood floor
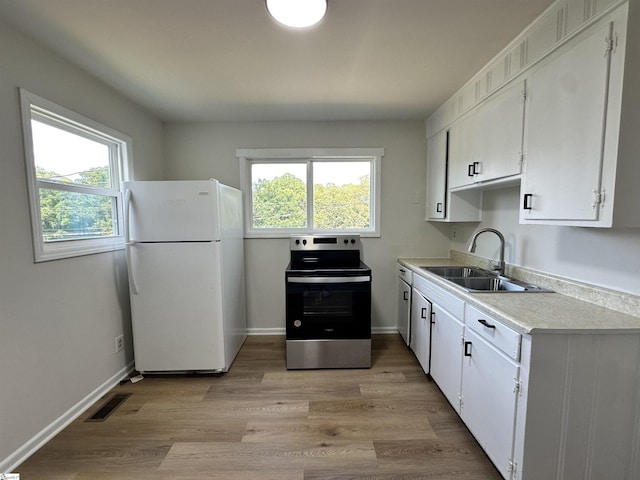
(260, 421)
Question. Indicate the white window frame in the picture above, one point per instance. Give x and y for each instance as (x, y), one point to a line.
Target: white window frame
(36, 107)
(248, 156)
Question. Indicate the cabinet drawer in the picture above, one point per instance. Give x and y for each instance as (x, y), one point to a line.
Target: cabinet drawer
(496, 333)
(435, 294)
(404, 273)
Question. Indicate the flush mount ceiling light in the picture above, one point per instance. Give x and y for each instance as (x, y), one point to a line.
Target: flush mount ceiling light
(297, 13)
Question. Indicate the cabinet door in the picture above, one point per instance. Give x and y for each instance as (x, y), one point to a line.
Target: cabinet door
(421, 328)
(462, 148)
(500, 127)
(403, 305)
(567, 103)
(489, 393)
(442, 204)
(437, 147)
(446, 354)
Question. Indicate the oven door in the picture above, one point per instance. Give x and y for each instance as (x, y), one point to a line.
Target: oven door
(325, 307)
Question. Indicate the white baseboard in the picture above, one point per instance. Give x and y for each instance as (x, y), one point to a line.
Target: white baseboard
(282, 331)
(25, 451)
(266, 331)
(384, 330)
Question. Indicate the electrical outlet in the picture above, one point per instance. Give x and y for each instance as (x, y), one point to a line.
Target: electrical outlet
(453, 234)
(119, 343)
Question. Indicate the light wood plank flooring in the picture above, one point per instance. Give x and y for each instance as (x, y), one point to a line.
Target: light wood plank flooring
(260, 421)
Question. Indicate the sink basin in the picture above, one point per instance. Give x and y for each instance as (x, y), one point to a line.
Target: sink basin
(477, 280)
(459, 272)
(495, 284)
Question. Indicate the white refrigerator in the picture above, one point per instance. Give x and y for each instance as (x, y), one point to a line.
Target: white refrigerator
(185, 257)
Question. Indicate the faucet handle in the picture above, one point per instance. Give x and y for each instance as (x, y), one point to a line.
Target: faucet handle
(499, 268)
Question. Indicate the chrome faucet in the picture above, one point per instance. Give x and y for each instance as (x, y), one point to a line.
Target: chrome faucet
(472, 247)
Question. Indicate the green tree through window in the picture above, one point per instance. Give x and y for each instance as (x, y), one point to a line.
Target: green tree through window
(310, 190)
(68, 215)
(281, 203)
(342, 207)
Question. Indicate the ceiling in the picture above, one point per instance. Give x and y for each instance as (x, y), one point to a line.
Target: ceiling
(226, 60)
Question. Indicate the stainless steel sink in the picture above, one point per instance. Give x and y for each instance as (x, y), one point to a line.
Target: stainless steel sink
(495, 284)
(459, 272)
(477, 280)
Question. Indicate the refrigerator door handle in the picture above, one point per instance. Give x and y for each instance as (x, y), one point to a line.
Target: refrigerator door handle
(127, 206)
(128, 242)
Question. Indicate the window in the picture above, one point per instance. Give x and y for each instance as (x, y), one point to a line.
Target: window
(74, 168)
(311, 191)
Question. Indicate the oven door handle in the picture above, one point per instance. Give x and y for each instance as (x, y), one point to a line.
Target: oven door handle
(358, 279)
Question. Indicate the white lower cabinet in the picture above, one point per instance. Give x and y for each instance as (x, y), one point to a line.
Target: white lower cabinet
(447, 312)
(421, 328)
(560, 405)
(578, 413)
(446, 357)
(403, 302)
(474, 362)
(488, 399)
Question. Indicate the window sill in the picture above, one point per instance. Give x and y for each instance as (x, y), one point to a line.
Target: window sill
(273, 235)
(77, 248)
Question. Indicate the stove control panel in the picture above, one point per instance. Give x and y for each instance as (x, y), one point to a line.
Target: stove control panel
(325, 242)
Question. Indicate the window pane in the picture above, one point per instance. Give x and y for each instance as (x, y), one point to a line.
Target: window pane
(72, 216)
(279, 195)
(341, 195)
(69, 158)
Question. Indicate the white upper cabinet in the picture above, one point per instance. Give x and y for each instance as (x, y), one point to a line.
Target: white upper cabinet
(571, 137)
(499, 126)
(442, 204)
(462, 151)
(486, 144)
(574, 141)
(437, 148)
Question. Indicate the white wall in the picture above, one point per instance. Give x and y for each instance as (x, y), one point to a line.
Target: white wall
(604, 257)
(196, 151)
(59, 319)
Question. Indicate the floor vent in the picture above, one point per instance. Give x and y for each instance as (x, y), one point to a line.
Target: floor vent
(108, 408)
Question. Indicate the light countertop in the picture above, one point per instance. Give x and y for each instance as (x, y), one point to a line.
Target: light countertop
(537, 312)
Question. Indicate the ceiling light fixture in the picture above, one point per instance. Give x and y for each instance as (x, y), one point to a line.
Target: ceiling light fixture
(297, 13)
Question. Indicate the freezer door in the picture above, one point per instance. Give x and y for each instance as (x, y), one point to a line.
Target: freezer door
(173, 211)
(177, 308)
